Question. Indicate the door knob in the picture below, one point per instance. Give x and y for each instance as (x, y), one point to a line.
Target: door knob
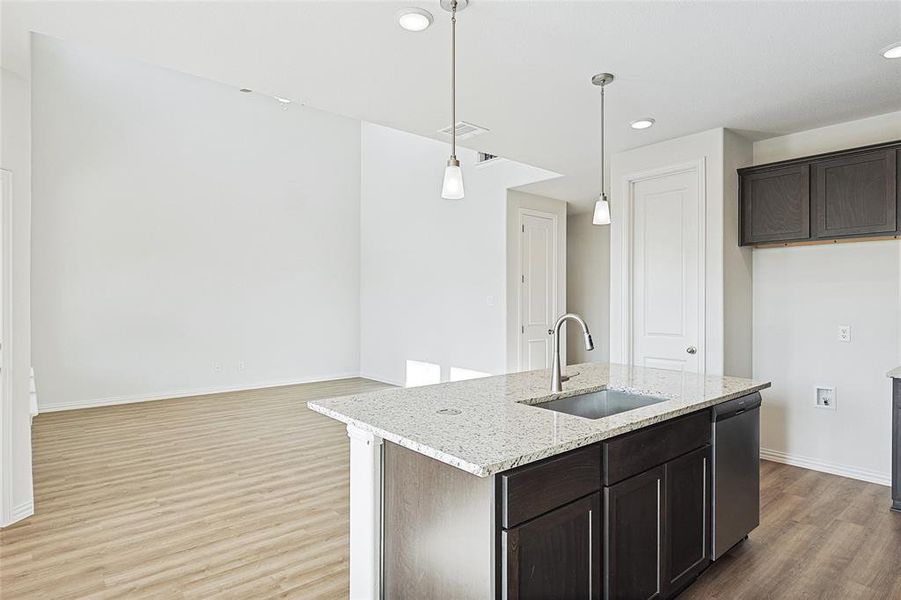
(691, 350)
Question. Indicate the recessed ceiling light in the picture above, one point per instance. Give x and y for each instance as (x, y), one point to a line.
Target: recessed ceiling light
(283, 100)
(414, 19)
(246, 90)
(642, 123)
(893, 51)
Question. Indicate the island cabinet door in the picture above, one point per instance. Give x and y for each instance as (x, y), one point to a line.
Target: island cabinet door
(633, 537)
(556, 555)
(686, 535)
(896, 446)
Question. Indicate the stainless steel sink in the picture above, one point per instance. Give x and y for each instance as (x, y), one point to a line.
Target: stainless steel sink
(597, 405)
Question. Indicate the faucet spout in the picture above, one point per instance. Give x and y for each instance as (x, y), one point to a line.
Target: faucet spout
(557, 378)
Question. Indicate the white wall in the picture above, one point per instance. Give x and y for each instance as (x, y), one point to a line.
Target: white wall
(433, 271)
(187, 237)
(517, 200)
(14, 156)
(801, 296)
(737, 265)
(588, 285)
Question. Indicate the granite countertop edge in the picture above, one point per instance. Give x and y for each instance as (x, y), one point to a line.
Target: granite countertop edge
(518, 390)
(553, 450)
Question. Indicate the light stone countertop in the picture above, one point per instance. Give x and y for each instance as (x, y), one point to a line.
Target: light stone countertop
(496, 429)
(894, 373)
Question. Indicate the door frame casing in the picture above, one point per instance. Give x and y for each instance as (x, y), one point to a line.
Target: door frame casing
(521, 212)
(621, 347)
(6, 353)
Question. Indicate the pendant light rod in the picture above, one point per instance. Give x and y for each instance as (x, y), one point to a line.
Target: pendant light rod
(602, 143)
(602, 80)
(454, 78)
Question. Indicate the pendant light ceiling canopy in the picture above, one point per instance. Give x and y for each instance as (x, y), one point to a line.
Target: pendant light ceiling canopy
(602, 207)
(452, 189)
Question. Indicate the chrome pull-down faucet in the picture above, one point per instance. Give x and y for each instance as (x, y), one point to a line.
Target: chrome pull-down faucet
(557, 377)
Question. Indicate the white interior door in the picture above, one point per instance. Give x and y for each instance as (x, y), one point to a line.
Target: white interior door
(538, 289)
(667, 273)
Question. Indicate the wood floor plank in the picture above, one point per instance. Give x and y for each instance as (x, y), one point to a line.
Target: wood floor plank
(245, 495)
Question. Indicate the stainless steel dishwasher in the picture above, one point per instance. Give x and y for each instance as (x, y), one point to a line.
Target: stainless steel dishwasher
(736, 471)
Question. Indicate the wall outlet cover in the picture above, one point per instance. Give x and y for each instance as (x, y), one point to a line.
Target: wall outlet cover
(844, 333)
(825, 397)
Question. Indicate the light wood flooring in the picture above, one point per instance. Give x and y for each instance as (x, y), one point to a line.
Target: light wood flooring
(244, 495)
(820, 537)
(239, 495)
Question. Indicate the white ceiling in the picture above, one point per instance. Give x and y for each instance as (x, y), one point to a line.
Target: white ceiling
(766, 68)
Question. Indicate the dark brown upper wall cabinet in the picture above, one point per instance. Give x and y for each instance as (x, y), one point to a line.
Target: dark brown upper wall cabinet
(855, 194)
(776, 205)
(846, 194)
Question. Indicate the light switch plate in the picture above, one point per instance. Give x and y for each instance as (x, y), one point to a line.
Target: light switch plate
(825, 397)
(844, 333)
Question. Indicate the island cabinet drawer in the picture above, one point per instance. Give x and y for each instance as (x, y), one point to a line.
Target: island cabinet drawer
(532, 490)
(638, 451)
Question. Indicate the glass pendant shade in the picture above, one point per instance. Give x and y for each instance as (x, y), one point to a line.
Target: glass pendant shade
(601, 212)
(453, 181)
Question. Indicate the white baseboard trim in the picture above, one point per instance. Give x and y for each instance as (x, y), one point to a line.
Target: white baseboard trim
(187, 393)
(815, 464)
(23, 511)
(382, 379)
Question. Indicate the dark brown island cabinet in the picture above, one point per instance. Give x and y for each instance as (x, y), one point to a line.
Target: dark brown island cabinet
(896, 443)
(828, 197)
(632, 517)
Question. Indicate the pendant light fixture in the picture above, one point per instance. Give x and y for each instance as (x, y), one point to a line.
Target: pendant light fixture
(452, 189)
(602, 207)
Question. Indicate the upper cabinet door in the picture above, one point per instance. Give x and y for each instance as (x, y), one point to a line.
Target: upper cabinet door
(775, 205)
(855, 195)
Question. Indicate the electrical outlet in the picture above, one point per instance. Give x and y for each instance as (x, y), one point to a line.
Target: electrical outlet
(825, 397)
(844, 333)
(241, 365)
(217, 367)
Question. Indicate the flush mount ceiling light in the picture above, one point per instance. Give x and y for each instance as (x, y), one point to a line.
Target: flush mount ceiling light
(643, 123)
(452, 188)
(893, 51)
(602, 207)
(414, 19)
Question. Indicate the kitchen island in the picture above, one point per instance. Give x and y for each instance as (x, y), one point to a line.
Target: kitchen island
(470, 490)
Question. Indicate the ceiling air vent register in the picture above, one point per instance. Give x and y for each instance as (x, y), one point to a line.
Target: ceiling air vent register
(464, 130)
